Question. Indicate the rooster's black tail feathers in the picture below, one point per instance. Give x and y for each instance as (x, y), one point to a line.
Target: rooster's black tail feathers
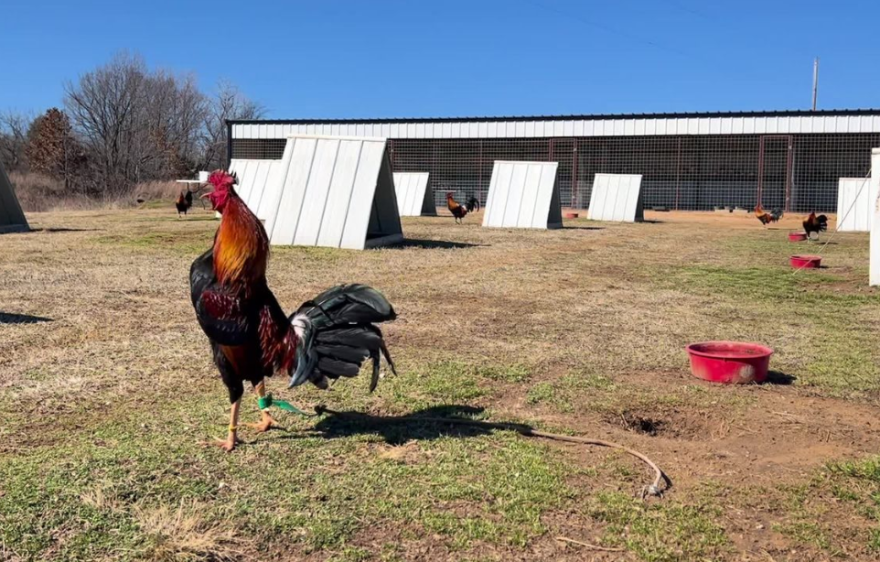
(336, 332)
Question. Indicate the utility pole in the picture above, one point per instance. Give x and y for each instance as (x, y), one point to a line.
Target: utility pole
(815, 81)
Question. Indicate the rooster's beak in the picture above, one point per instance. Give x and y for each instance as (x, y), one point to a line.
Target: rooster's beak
(205, 195)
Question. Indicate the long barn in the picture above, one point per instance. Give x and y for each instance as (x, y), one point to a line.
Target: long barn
(790, 160)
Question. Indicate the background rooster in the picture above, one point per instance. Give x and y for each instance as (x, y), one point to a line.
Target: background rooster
(457, 210)
(329, 337)
(815, 224)
(765, 217)
(472, 204)
(184, 202)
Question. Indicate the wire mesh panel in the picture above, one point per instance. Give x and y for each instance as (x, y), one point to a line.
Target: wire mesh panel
(793, 172)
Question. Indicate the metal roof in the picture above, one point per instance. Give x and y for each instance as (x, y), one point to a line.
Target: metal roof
(649, 124)
(579, 117)
(523, 195)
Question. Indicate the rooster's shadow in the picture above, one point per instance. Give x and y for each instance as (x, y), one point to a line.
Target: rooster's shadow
(421, 425)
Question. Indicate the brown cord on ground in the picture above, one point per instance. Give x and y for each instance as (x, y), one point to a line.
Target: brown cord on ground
(653, 489)
(590, 546)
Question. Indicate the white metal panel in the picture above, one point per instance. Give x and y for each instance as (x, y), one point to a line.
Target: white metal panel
(286, 217)
(616, 197)
(321, 192)
(364, 189)
(411, 189)
(875, 223)
(854, 205)
(521, 195)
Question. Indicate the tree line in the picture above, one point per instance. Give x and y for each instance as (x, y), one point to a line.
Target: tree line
(122, 124)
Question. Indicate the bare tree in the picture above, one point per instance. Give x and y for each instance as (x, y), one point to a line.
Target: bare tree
(13, 139)
(137, 125)
(229, 103)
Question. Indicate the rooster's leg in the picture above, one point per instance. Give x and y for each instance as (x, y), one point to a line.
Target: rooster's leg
(232, 439)
(266, 422)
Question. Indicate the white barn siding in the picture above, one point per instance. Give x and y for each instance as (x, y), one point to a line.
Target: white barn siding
(523, 195)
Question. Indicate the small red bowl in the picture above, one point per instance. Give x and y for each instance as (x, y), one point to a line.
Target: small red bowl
(730, 362)
(571, 215)
(806, 262)
(797, 236)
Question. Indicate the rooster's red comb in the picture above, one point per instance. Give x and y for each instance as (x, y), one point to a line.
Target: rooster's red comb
(221, 180)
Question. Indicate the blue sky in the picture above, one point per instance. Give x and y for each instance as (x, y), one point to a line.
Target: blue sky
(399, 58)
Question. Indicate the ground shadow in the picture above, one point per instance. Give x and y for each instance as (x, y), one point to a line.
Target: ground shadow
(567, 227)
(433, 244)
(779, 378)
(63, 229)
(421, 425)
(12, 318)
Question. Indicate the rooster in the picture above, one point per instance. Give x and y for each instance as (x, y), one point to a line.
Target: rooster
(815, 224)
(472, 204)
(329, 336)
(184, 202)
(457, 210)
(765, 217)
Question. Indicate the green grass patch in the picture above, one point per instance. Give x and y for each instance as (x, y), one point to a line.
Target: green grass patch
(660, 532)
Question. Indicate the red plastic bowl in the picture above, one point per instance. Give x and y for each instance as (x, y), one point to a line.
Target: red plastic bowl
(805, 262)
(571, 215)
(730, 362)
(797, 236)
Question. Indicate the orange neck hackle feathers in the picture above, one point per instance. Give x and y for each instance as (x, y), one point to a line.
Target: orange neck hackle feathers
(241, 247)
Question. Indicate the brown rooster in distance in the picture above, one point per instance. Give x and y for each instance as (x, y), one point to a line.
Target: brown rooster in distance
(184, 202)
(457, 210)
(765, 217)
(815, 224)
(329, 336)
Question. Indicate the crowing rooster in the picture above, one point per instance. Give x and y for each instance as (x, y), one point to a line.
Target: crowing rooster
(184, 202)
(765, 217)
(472, 204)
(815, 224)
(329, 336)
(457, 210)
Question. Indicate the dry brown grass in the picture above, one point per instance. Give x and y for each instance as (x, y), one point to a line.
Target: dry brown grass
(38, 193)
(183, 535)
(579, 329)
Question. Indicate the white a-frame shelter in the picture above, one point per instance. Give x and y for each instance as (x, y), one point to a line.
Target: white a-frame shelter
(855, 209)
(335, 192)
(11, 216)
(414, 197)
(617, 198)
(875, 223)
(523, 195)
